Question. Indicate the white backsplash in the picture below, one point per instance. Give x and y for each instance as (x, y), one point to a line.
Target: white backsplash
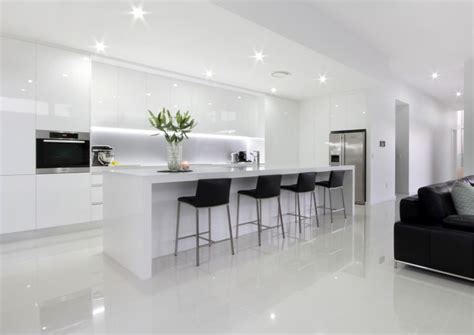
(139, 147)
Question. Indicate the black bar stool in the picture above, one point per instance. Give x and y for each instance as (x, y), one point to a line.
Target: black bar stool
(268, 187)
(304, 184)
(209, 193)
(335, 182)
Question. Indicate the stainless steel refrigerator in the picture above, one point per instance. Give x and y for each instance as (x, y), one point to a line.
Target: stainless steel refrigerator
(348, 147)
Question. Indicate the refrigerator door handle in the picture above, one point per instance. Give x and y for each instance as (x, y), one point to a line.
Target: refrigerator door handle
(343, 150)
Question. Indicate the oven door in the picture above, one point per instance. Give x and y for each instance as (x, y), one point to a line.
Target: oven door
(62, 155)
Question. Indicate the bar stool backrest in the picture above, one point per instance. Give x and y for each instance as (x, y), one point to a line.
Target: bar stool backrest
(268, 186)
(213, 192)
(336, 179)
(306, 182)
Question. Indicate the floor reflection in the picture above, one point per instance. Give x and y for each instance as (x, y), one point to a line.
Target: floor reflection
(336, 278)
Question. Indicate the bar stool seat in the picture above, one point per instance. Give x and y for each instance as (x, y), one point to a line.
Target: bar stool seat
(323, 183)
(304, 184)
(209, 193)
(268, 187)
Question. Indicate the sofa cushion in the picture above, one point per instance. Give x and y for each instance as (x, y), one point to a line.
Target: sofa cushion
(436, 202)
(469, 179)
(459, 222)
(463, 197)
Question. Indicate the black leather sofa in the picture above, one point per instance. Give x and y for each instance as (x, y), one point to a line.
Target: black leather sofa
(431, 235)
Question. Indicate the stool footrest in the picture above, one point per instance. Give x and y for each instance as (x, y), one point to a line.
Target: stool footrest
(193, 235)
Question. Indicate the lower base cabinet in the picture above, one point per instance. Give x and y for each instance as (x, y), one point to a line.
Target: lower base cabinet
(17, 203)
(62, 199)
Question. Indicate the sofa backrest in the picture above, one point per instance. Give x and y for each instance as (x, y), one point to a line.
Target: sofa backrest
(436, 202)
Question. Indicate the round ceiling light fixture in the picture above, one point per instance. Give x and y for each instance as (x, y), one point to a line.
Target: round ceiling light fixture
(280, 74)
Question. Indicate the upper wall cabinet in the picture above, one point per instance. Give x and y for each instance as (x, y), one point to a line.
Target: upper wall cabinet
(104, 95)
(17, 107)
(122, 97)
(131, 99)
(63, 87)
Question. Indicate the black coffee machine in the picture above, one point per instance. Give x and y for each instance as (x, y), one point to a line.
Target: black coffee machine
(102, 155)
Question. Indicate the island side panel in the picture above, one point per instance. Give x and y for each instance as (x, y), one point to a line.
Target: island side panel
(127, 222)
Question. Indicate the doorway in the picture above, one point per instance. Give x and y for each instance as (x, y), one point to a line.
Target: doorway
(402, 148)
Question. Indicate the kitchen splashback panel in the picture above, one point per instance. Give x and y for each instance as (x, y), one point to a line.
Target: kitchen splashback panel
(139, 147)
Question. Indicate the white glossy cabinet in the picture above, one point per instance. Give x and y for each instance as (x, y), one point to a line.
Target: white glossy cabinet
(131, 99)
(217, 110)
(17, 203)
(17, 107)
(104, 95)
(62, 199)
(63, 90)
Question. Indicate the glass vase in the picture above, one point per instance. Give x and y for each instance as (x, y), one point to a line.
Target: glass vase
(175, 155)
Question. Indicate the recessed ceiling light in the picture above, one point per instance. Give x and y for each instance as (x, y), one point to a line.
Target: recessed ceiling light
(85, 59)
(435, 75)
(323, 78)
(239, 97)
(175, 85)
(272, 316)
(337, 106)
(209, 73)
(209, 103)
(138, 13)
(30, 81)
(65, 75)
(259, 56)
(100, 47)
(458, 94)
(148, 94)
(23, 90)
(280, 74)
(273, 90)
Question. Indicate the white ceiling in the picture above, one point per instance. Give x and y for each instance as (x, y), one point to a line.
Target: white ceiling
(183, 37)
(418, 36)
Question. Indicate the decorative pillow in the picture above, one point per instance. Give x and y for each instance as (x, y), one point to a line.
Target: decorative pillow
(463, 197)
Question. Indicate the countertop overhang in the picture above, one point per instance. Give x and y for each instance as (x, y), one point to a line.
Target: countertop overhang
(152, 175)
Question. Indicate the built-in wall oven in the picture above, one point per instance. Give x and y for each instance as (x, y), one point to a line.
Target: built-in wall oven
(62, 152)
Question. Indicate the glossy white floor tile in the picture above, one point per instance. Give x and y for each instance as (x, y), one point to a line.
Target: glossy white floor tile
(338, 278)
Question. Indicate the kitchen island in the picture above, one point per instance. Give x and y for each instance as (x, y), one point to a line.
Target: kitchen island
(140, 208)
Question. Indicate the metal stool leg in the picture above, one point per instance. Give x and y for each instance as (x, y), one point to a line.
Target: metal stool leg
(299, 211)
(281, 218)
(258, 224)
(197, 237)
(330, 203)
(177, 231)
(343, 203)
(238, 210)
(209, 228)
(230, 230)
(324, 197)
(315, 208)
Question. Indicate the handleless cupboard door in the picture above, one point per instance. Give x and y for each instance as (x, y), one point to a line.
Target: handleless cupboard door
(62, 199)
(104, 95)
(17, 107)
(131, 99)
(157, 94)
(17, 203)
(63, 90)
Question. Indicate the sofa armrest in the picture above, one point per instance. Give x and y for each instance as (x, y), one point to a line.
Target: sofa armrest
(410, 210)
(459, 222)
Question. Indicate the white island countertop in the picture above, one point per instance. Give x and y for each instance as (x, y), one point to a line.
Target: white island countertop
(140, 207)
(220, 171)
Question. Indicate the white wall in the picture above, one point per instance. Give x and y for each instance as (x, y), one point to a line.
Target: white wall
(431, 149)
(281, 131)
(402, 148)
(469, 118)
